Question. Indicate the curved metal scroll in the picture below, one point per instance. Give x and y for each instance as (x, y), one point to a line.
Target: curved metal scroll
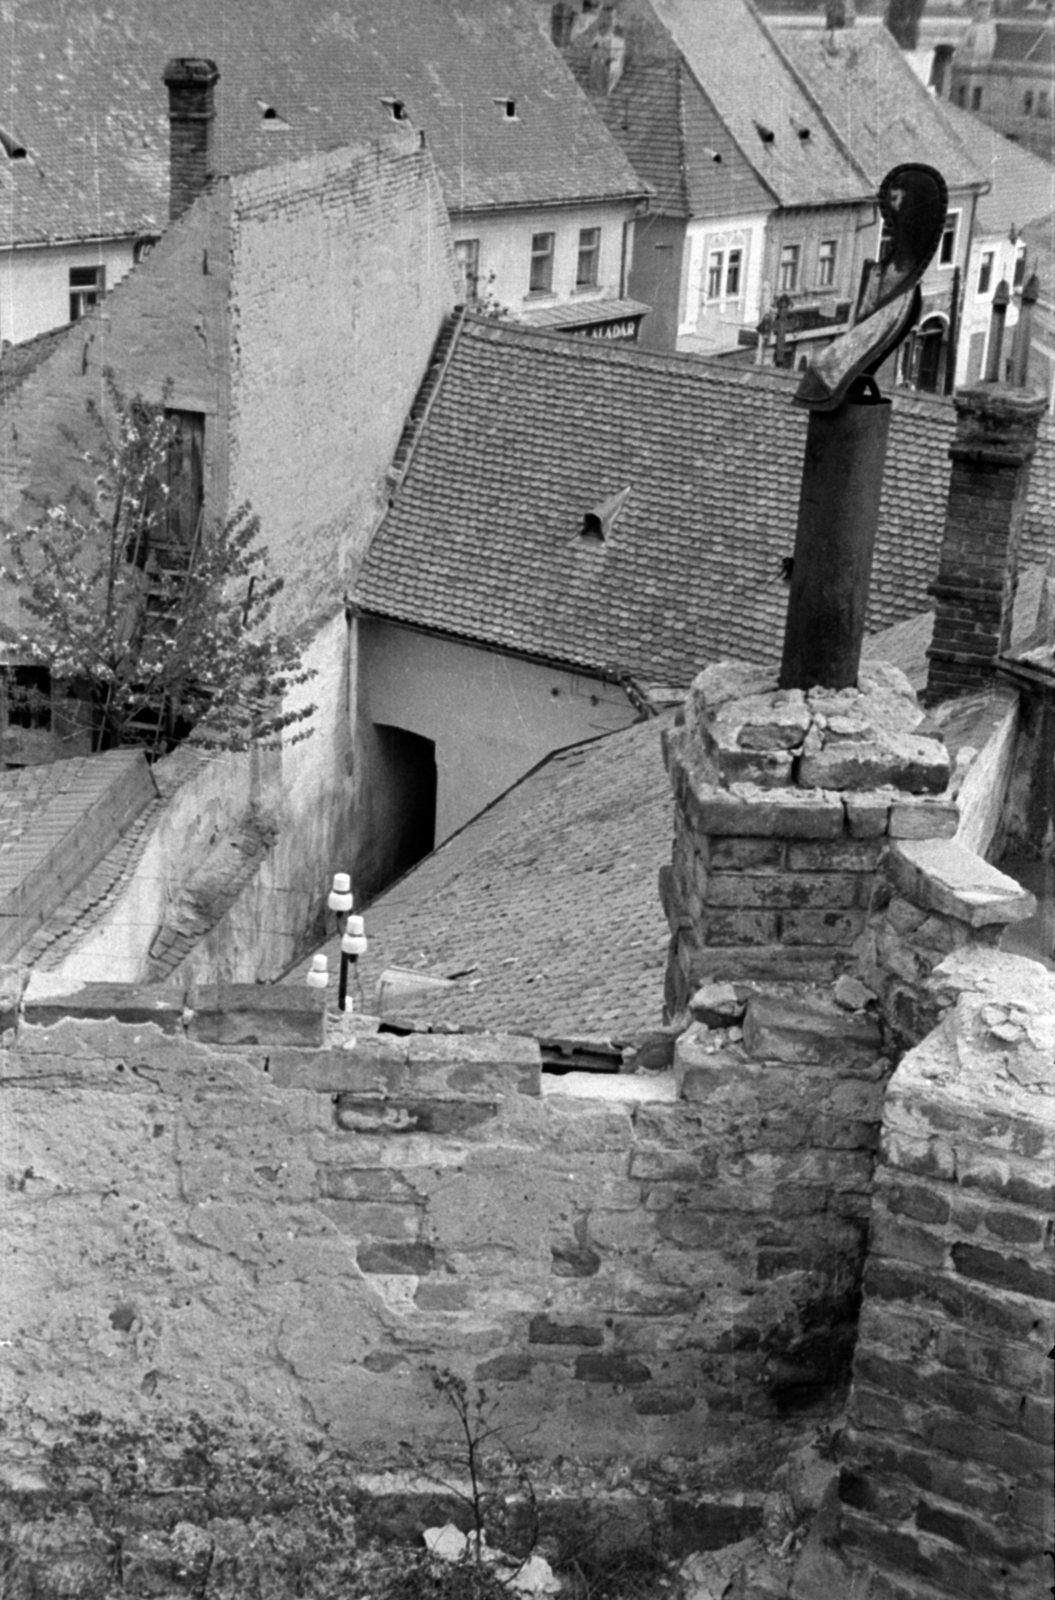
(913, 201)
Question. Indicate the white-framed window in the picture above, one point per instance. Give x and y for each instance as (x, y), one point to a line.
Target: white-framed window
(734, 272)
(826, 263)
(467, 255)
(947, 247)
(715, 264)
(588, 265)
(788, 273)
(540, 277)
(87, 287)
(985, 272)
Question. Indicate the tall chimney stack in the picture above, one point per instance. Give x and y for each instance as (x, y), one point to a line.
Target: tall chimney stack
(190, 81)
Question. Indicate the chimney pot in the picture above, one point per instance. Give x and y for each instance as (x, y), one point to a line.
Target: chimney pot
(190, 81)
(561, 23)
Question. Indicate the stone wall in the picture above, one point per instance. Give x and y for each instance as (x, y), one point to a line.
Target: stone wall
(948, 1462)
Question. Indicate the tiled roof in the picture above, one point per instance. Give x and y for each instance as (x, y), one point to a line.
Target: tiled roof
(526, 432)
(1025, 41)
(17, 361)
(666, 124)
(1022, 185)
(550, 897)
(83, 91)
(761, 102)
(876, 103)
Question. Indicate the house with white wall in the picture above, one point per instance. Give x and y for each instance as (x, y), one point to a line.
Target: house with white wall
(1021, 192)
(255, 318)
(543, 199)
(884, 116)
(757, 228)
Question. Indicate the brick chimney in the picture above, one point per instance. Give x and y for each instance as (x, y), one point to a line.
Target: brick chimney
(190, 81)
(561, 23)
(996, 435)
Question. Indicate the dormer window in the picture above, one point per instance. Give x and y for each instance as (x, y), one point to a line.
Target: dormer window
(598, 522)
(397, 109)
(270, 118)
(12, 146)
(508, 109)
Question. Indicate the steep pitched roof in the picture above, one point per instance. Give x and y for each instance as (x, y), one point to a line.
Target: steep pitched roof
(1022, 185)
(83, 92)
(527, 432)
(876, 103)
(664, 121)
(765, 107)
(549, 897)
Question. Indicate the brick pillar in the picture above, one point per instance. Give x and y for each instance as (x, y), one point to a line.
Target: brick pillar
(996, 435)
(190, 81)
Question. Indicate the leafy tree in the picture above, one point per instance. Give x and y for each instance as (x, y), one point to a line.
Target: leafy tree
(167, 640)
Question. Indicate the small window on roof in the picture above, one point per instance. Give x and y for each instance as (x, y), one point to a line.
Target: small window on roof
(598, 522)
(397, 109)
(12, 146)
(765, 134)
(508, 107)
(269, 116)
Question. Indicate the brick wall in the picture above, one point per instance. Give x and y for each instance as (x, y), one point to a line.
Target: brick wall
(996, 434)
(948, 1460)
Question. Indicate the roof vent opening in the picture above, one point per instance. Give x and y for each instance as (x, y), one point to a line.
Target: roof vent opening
(766, 135)
(599, 521)
(397, 109)
(13, 147)
(712, 155)
(270, 117)
(803, 133)
(508, 108)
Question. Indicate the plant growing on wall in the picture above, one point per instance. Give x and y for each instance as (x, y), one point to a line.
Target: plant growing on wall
(159, 619)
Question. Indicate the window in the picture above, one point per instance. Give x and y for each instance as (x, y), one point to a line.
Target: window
(947, 247)
(961, 95)
(985, 272)
(714, 274)
(1019, 275)
(733, 270)
(1043, 103)
(541, 279)
(87, 286)
(589, 258)
(789, 267)
(28, 697)
(467, 255)
(826, 263)
(1027, 103)
(976, 97)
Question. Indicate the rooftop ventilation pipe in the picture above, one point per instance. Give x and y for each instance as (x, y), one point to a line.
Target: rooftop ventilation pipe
(190, 81)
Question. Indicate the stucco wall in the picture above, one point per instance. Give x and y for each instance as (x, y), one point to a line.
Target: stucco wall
(505, 251)
(341, 276)
(35, 282)
(492, 716)
(705, 325)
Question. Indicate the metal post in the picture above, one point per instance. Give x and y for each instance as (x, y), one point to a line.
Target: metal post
(952, 349)
(1020, 349)
(842, 477)
(996, 331)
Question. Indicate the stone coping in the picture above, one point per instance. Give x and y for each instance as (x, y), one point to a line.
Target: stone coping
(940, 875)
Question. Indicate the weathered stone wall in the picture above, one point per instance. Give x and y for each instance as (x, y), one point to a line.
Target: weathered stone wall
(946, 1483)
(303, 1229)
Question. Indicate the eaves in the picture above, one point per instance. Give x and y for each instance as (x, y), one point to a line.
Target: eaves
(583, 666)
(543, 204)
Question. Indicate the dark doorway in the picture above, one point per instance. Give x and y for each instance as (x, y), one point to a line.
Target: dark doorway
(931, 346)
(407, 774)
